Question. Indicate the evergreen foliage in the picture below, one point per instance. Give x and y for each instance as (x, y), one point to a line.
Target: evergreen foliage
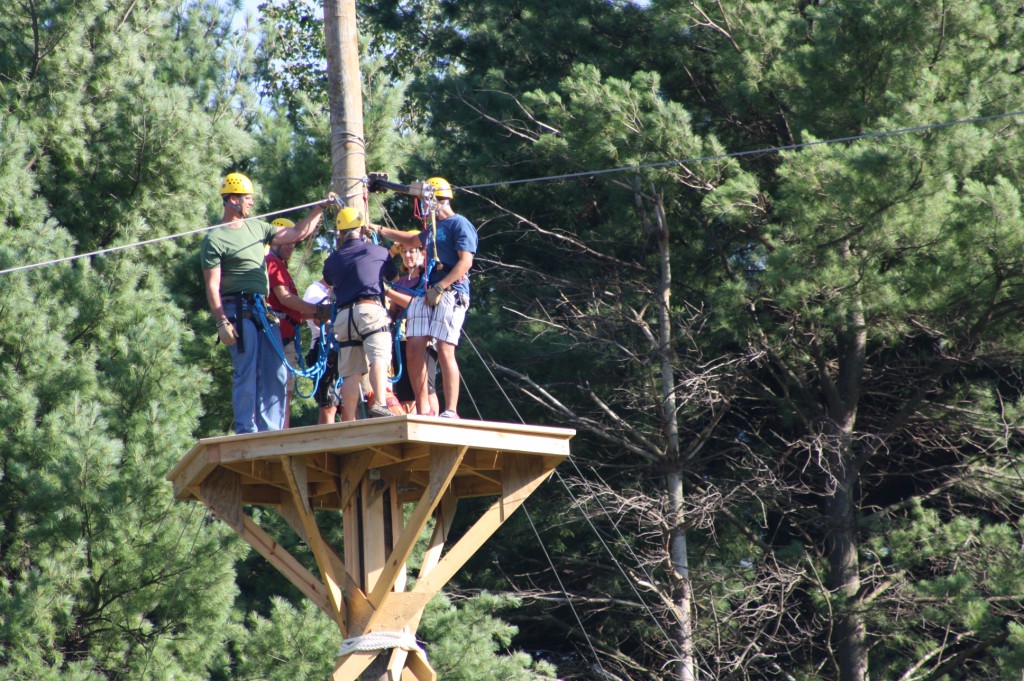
(795, 374)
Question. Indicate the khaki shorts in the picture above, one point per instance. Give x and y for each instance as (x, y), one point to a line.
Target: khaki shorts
(366, 318)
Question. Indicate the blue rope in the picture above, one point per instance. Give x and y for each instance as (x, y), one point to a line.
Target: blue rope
(314, 372)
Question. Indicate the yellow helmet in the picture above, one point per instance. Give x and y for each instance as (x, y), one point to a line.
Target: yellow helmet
(348, 218)
(283, 222)
(396, 248)
(236, 183)
(442, 189)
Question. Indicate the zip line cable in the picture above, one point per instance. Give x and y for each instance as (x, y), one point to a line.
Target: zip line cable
(590, 523)
(558, 578)
(148, 242)
(751, 152)
(568, 176)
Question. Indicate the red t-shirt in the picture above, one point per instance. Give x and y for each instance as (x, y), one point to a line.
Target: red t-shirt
(278, 274)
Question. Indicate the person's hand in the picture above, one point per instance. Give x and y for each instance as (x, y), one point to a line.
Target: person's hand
(371, 228)
(226, 332)
(322, 313)
(434, 294)
(331, 198)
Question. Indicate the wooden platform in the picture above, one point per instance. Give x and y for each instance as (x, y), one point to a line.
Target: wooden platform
(367, 470)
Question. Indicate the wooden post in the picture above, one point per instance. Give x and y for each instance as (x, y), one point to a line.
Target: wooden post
(345, 96)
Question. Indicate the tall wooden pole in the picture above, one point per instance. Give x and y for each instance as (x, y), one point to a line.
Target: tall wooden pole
(348, 168)
(348, 151)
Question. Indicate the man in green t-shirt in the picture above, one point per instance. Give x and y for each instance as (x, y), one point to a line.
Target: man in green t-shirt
(232, 258)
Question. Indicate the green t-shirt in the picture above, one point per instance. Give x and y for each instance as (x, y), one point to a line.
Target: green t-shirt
(239, 253)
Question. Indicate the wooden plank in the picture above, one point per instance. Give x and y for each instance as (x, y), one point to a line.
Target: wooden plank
(349, 667)
(353, 551)
(407, 612)
(522, 475)
(353, 468)
(386, 453)
(222, 491)
(193, 469)
(295, 470)
(373, 549)
(475, 487)
(345, 437)
(262, 495)
(358, 605)
(397, 611)
(355, 435)
(417, 668)
(276, 554)
(487, 435)
(397, 521)
(444, 462)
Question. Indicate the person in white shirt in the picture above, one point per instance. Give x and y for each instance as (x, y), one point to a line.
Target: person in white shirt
(326, 397)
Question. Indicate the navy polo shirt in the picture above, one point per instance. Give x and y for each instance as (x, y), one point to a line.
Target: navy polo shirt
(358, 270)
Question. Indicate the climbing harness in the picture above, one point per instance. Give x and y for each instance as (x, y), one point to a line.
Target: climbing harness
(314, 372)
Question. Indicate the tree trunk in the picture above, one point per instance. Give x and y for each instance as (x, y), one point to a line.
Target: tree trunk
(849, 634)
(683, 597)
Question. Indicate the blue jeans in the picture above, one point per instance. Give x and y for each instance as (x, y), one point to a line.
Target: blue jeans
(258, 384)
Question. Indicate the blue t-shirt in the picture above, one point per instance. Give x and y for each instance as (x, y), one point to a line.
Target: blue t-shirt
(358, 270)
(454, 234)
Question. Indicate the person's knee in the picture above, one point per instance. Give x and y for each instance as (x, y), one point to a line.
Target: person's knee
(445, 352)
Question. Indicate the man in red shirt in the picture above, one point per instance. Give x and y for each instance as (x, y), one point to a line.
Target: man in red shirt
(284, 299)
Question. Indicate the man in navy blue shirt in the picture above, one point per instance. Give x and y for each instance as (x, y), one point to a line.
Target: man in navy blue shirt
(441, 312)
(356, 271)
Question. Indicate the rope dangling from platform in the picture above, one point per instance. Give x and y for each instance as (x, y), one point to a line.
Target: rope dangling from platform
(381, 640)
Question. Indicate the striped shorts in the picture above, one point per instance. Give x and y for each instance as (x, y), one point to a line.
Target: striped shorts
(443, 321)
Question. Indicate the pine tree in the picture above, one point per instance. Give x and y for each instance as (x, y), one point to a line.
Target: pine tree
(844, 316)
(102, 574)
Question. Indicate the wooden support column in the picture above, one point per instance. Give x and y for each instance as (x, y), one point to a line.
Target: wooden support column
(345, 97)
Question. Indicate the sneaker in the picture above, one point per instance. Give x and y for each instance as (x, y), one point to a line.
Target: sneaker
(378, 411)
(395, 406)
(449, 414)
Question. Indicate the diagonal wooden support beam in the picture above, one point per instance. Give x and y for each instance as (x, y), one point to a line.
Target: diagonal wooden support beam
(351, 666)
(521, 475)
(358, 606)
(442, 526)
(295, 472)
(444, 462)
(221, 492)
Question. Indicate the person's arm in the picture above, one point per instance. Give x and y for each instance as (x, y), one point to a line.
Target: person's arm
(400, 237)
(212, 279)
(454, 274)
(398, 299)
(303, 229)
(293, 302)
(225, 329)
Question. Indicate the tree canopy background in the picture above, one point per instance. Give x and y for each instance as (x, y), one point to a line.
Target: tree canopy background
(795, 372)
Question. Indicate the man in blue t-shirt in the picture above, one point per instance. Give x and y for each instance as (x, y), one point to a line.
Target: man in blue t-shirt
(356, 271)
(441, 312)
